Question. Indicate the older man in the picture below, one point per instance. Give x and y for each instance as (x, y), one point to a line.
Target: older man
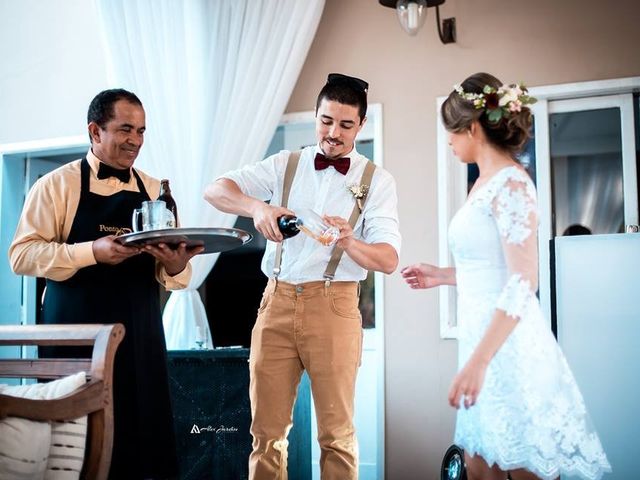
(68, 234)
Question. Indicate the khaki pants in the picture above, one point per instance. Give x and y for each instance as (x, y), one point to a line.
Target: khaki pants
(315, 328)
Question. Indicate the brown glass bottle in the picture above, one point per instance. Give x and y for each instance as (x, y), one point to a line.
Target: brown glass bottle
(287, 224)
(165, 195)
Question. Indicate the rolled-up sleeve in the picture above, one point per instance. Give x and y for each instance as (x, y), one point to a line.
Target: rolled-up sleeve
(259, 179)
(179, 281)
(381, 223)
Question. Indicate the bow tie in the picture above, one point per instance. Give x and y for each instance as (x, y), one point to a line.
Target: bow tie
(106, 171)
(340, 164)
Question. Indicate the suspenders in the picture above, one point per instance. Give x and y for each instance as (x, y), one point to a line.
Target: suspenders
(289, 173)
(336, 255)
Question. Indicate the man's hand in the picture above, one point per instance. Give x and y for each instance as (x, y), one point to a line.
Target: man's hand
(108, 250)
(226, 196)
(174, 260)
(265, 219)
(346, 238)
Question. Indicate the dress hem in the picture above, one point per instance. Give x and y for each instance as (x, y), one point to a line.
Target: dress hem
(508, 466)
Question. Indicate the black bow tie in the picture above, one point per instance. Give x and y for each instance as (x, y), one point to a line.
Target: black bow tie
(340, 164)
(106, 171)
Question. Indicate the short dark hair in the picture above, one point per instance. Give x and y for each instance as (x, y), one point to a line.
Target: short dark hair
(346, 90)
(101, 107)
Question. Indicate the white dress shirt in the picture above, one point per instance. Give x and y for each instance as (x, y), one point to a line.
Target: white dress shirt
(327, 193)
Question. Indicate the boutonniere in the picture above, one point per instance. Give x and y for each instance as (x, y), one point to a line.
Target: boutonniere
(359, 192)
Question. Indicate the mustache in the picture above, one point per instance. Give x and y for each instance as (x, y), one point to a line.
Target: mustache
(330, 139)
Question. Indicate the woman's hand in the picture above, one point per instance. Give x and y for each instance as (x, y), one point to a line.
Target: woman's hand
(423, 275)
(467, 384)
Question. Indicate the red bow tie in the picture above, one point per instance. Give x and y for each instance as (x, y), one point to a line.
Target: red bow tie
(340, 164)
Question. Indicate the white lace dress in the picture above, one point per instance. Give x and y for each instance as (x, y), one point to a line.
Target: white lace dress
(530, 413)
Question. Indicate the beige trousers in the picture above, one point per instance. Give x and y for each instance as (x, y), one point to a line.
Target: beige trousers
(315, 328)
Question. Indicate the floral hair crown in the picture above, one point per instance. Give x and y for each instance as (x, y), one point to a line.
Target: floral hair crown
(498, 103)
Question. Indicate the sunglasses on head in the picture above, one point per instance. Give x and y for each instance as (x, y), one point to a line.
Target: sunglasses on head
(340, 78)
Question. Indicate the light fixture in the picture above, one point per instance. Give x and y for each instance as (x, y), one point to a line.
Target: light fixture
(412, 14)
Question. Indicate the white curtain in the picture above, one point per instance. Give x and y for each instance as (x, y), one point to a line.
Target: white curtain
(214, 78)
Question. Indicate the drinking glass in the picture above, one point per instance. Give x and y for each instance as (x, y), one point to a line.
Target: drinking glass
(310, 223)
(155, 216)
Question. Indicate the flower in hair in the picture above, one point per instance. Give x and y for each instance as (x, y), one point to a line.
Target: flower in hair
(498, 103)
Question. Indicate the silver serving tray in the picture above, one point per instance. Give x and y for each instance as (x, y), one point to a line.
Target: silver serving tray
(213, 239)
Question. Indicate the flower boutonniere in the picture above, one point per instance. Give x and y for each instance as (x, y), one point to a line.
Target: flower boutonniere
(359, 192)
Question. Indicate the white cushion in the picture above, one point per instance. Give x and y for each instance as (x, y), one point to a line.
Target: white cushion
(67, 449)
(24, 448)
(30, 449)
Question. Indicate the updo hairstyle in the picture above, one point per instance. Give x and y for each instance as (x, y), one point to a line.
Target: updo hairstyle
(509, 134)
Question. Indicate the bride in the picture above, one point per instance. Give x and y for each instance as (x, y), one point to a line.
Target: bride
(523, 413)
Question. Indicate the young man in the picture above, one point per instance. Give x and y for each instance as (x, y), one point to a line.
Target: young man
(67, 233)
(309, 318)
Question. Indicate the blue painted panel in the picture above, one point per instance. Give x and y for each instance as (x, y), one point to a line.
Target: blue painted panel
(11, 200)
(597, 286)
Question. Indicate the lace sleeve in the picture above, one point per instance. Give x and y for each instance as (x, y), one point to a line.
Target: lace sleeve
(515, 213)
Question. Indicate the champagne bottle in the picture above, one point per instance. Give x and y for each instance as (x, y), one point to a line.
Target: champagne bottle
(165, 195)
(288, 226)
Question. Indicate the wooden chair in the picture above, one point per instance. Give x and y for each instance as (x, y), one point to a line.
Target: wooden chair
(94, 399)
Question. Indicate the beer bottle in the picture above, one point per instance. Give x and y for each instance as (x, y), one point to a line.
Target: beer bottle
(288, 226)
(165, 195)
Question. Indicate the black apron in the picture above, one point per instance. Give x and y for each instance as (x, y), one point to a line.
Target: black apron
(127, 293)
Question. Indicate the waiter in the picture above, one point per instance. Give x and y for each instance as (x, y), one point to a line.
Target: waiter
(67, 233)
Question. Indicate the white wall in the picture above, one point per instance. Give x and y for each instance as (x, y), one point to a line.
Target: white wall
(51, 65)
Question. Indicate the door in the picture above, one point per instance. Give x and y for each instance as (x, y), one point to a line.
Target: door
(22, 165)
(33, 287)
(589, 183)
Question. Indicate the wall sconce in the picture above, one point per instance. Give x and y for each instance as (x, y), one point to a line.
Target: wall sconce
(412, 14)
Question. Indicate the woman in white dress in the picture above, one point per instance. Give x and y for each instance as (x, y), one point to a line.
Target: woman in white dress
(523, 413)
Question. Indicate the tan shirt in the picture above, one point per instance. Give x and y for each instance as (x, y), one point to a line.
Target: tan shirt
(39, 249)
